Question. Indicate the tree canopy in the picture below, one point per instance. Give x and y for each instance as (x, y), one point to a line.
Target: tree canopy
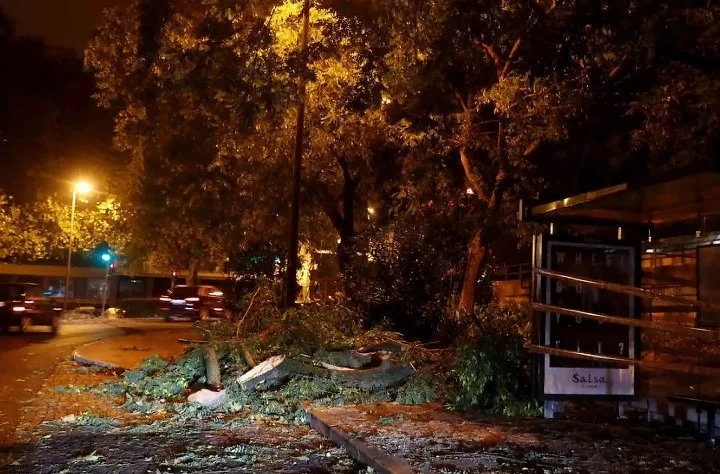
(433, 117)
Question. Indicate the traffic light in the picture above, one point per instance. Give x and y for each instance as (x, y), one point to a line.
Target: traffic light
(111, 268)
(106, 257)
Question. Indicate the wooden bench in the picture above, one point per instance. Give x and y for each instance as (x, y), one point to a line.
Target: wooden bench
(701, 404)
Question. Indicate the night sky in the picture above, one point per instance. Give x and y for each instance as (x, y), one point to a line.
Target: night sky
(63, 23)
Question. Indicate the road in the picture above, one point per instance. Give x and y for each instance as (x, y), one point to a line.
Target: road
(27, 360)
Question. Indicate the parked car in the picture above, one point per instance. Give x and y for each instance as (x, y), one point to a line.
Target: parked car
(197, 302)
(24, 305)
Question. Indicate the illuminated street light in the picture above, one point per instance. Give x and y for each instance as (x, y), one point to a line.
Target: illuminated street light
(82, 187)
(107, 258)
(470, 192)
(371, 211)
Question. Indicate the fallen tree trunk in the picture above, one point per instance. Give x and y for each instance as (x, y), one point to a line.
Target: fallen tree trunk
(350, 359)
(278, 369)
(387, 347)
(212, 369)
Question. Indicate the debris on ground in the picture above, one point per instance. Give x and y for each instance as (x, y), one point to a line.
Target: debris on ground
(213, 409)
(278, 369)
(431, 439)
(208, 398)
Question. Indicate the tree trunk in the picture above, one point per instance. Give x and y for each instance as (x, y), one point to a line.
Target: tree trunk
(276, 370)
(193, 274)
(475, 256)
(212, 369)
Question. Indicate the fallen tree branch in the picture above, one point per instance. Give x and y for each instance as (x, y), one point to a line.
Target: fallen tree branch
(191, 341)
(249, 360)
(276, 370)
(237, 329)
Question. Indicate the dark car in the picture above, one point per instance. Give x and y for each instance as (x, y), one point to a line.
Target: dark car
(25, 305)
(196, 302)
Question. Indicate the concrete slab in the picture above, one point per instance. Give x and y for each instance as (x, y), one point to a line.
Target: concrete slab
(394, 438)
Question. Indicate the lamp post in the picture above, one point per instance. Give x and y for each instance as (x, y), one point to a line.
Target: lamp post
(82, 188)
(107, 258)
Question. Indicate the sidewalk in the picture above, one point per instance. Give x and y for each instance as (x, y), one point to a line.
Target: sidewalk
(128, 351)
(397, 439)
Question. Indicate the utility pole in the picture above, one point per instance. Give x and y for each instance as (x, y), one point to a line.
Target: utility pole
(105, 289)
(70, 246)
(292, 261)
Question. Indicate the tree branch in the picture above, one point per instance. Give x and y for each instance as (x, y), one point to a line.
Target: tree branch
(473, 178)
(350, 182)
(495, 57)
(516, 46)
(336, 219)
(460, 100)
(616, 70)
(510, 57)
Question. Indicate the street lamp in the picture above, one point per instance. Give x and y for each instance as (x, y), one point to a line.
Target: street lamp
(107, 258)
(82, 187)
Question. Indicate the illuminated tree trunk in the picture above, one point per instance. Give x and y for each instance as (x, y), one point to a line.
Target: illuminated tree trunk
(475, 256)
(344, 222)
(488, 230)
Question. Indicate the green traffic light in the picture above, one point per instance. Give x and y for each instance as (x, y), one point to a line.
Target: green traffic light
(106, 257)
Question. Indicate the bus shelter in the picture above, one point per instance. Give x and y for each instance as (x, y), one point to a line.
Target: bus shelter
(626, 291)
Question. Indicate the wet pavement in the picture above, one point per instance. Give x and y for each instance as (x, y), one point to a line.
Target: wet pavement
(429, 439)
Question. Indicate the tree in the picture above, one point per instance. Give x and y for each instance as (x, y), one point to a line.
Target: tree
(204, 102)
(183, 83)
(512, 89)
(40, 230)
(409, 104)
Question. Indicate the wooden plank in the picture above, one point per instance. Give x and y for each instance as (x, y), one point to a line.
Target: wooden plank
(625, 321)
(358, 450)
(626, 289)
(670, 367)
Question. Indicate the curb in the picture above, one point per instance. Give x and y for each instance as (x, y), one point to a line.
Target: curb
(357, 449)
(81, 359)
(97, 363)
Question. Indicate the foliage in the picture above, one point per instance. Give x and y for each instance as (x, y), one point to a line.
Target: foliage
(493, 370)
(152, 364)
(406, 272)
(92, 369)
(41, 230)
(266, 330)
(506, 319)
(421, 388)
(406, 113)
(290, 402)
(308, 329)
(89, 419)
(156, 378)
(70, 389)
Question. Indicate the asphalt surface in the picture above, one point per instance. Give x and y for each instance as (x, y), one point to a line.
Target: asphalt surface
(27, 360)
